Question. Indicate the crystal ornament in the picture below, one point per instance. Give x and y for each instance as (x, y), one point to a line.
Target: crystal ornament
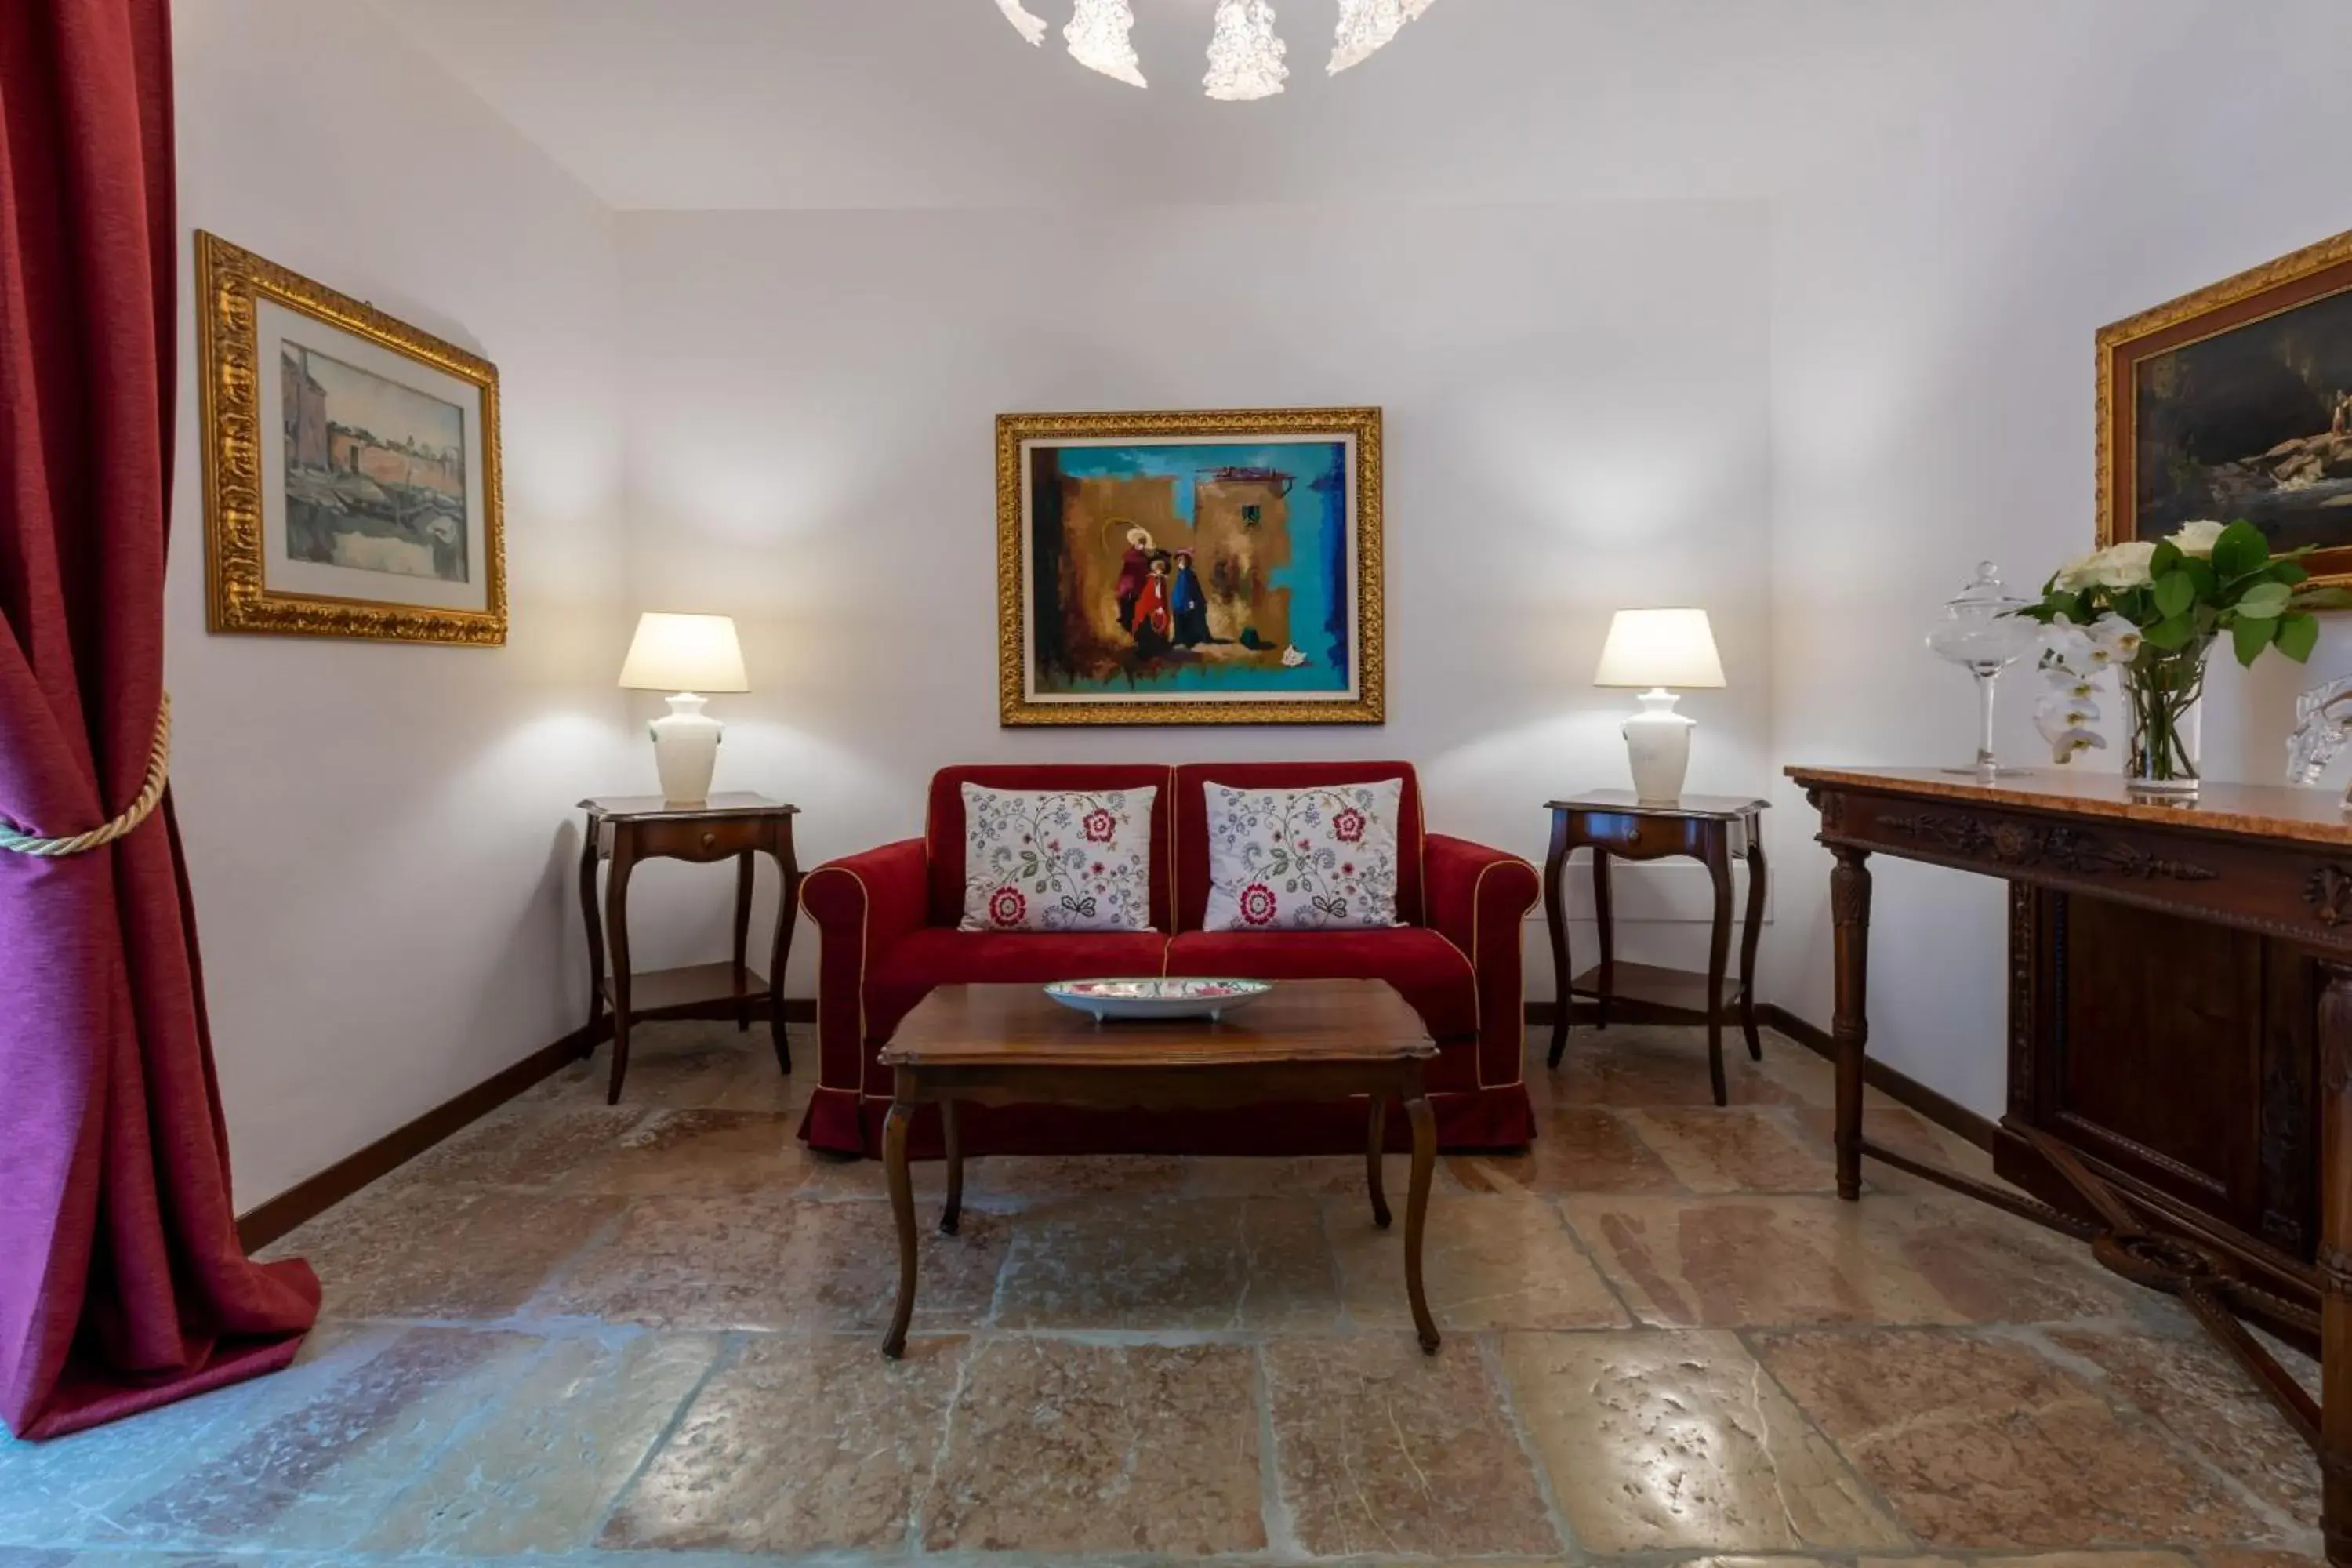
(1031, 26)
(1244, 55)
(1098, 40)
(1365, 25)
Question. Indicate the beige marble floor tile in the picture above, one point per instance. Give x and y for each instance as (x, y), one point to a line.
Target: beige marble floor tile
(798, 1445)
(1384, 1451)
(541, 1468)
(1680, 1441)
(1734, 1151)
(315, 1476)
(686, 1152)
(829, 1178)
(1577, 1149)
(765, 1260)
(404, 1251)
(1058, 1446)
(1034, 1181)
(1646, 1065)
(1808, 1076)
(2210, 1407)
(79, 1488)
(2043, 1560)
(1486, 1263)
(1906, 1132)
(1729, 1262)
(843, 1268)
(1302, 1176)
(535, 1147)
(690, 1065)
(2256, 1557)
(1984, 1444)
(1171, 1264)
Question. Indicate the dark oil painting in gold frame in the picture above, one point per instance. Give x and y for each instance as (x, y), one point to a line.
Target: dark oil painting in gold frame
(351, 465)
(2236, 401)
(1215, 567)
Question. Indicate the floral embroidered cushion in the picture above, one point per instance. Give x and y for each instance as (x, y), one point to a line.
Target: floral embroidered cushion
(1056, 860)
(1303, 860)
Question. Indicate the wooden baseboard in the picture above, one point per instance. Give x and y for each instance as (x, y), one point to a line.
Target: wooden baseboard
(1899, 1087)
(264, 1222)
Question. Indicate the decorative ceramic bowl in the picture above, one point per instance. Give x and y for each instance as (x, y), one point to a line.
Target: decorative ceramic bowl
(1157, 997)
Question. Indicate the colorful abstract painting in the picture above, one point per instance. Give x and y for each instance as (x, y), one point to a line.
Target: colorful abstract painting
(1191, 568)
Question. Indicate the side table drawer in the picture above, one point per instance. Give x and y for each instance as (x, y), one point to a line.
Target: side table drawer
(1642, 837)
(709, 839)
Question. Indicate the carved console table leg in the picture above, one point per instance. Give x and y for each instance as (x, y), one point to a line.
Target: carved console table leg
(1850, 1026)
(1556, 918)
(591, 853)
(2336, 1262)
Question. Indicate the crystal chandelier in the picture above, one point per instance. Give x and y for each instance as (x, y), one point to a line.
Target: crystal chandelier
(1246, 54)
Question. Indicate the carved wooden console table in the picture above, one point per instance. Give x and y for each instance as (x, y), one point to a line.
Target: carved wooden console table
(2270, 861)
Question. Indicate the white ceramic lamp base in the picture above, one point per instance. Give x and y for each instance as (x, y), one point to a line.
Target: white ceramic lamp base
(1657, 744)
(686, 750)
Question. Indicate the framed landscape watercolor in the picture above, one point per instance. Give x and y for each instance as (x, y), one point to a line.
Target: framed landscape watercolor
(1198, 568)
(351, 465)
(2236, 401)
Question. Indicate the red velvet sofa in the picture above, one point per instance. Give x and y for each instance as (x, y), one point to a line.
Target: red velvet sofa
(886, 923)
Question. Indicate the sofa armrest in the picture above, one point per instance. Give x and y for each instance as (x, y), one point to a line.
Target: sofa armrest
(1476, 894)
(1478, 899)
(870, 899)
(861, 906)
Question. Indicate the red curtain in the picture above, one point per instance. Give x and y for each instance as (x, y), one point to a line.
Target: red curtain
(121, 1283)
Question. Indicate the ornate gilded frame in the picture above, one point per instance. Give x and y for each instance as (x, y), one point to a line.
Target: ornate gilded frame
(2291, 282)
(229, 281)
(1016, 708)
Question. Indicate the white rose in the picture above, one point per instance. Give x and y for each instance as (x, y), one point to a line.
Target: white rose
(2074, 577)
(2123, 565)
(2197, 538)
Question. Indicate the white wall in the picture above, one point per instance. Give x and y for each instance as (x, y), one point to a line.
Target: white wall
(381, 837)
(1934, 308)
(1575, 404)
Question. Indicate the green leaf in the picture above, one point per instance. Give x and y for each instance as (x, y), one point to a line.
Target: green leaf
(2250, 635)
(2323, 599)
(2285, 571)
(2264, 601)
(2241, 549)
(2172, 635)
(2174, 593)
(2202, 574)
(2166, 556)
(2297, 636)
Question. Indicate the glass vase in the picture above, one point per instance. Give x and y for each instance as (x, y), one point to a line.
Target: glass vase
(2162, 693)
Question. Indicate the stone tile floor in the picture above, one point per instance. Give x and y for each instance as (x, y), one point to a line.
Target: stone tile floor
(648, 1334)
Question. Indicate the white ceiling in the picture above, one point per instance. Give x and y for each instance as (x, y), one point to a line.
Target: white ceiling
(868, 103)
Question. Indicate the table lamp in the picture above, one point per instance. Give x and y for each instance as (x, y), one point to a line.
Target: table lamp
(1651, 650)
(685, 656)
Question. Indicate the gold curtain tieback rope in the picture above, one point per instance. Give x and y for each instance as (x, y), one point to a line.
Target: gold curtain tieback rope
(159, 769)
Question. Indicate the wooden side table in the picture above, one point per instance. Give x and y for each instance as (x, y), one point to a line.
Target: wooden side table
(626, 829)
(1713, 830)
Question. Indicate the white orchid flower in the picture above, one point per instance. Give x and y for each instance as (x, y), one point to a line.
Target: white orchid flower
(2197, 538)
(2070, 649)
(2114, 638)
(2063, 710)
(2065, 747)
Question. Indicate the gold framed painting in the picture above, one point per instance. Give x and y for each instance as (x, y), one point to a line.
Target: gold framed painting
(2236, 401)
(1218, 567)
(351, 465)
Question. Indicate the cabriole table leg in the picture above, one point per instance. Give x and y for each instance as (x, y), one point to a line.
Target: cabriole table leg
(902, 1210)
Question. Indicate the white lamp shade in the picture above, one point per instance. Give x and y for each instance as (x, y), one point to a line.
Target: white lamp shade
(1659, 647)
(684, 653)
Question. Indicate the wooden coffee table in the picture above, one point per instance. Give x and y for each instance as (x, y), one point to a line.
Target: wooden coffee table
(1308, 1039)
